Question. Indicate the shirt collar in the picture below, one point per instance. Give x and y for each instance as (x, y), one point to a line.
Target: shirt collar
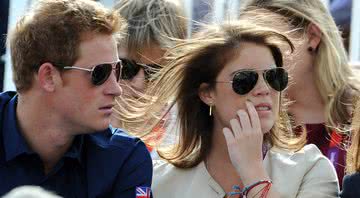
(75, 151)
(14, 142)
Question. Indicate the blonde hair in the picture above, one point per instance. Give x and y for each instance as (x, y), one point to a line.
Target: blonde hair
(353, 154)
(52, 32)
(335, 79)
(150, 22)
(197, 61)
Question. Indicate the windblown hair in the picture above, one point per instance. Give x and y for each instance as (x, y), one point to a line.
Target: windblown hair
(52, 32)
(196, 61)
(353, 154)
(335, 78)
(151, 22)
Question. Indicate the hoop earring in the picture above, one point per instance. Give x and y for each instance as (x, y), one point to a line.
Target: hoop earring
(210, 109)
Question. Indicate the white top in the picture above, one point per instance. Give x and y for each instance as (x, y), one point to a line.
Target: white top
(303, 174)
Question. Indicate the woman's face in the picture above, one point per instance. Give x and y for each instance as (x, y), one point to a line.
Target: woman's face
(147, 56)
(300, 63)
(251, 57)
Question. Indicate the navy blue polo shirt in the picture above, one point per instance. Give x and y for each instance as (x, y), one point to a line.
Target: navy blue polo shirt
(103, 164)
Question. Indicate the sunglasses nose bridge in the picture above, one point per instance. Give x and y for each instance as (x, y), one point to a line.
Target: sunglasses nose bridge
(265, 80)
(117, 70)
(262, 86)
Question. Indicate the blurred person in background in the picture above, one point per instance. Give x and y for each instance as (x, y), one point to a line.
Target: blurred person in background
(154, 26)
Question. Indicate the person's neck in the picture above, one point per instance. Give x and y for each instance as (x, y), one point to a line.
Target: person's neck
(42, 131)
(307, 105)
(218, 163)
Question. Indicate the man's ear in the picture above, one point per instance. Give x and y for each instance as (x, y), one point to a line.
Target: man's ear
(206, 94)
(314, 36)
(48, 77)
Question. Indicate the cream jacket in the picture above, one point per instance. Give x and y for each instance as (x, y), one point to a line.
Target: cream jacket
(303, 174)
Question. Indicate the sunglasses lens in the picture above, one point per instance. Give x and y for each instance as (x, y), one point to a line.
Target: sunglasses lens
(277, 78)
(129, 69)
(101, 73)
(244, 81)
(150, 70)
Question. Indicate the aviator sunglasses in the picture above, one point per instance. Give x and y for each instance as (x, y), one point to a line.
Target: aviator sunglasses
(245, 80)
(131, 68)
(100, 73)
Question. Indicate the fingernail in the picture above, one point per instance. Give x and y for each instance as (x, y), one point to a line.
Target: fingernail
(241, 111)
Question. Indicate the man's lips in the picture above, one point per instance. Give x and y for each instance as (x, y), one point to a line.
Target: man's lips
(107, 108)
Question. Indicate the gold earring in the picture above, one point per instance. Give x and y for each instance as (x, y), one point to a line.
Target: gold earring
(210, 110)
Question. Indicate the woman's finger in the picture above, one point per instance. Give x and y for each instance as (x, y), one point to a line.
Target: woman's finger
(229, 137)
(244, 121)
(236, 127)
(254, 117)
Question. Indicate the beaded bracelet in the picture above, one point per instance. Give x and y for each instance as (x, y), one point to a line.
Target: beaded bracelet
(244, 192)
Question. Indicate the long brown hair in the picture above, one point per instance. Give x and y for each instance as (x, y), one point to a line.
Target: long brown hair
(197, 61)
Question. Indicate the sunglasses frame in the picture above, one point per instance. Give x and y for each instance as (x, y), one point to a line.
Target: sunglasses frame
(148, 68)
(115, 63)
(264, 71)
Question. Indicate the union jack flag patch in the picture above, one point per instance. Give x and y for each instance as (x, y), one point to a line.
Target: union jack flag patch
(143, 192)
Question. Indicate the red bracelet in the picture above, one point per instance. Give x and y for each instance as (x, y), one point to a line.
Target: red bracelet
(265, 190)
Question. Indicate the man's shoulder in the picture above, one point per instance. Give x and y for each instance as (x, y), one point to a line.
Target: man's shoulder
(114, 155)
(352, 179)
(350, 185)
(115, 139)
(115, 143)
(5, 97)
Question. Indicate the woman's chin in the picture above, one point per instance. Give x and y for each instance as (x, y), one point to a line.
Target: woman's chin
(266, 127)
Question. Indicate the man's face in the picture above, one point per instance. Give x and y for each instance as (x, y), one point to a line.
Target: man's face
(85, 107)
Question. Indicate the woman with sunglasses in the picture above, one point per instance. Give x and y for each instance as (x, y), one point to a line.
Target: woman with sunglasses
(235, 138)
(153, 28)
(324, 85)
(351, 182)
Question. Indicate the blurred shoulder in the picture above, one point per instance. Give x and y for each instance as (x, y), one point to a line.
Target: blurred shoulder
(310, 153)
(309, 161)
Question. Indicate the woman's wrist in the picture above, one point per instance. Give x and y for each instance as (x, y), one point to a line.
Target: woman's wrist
(252, 173)
(259, 188)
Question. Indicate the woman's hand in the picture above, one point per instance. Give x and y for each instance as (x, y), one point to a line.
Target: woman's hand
(244, 141)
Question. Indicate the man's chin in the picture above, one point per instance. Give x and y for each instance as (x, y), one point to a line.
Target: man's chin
(102, 126)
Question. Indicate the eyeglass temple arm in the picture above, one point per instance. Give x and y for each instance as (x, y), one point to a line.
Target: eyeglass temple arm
(79, 68)
(219, 81)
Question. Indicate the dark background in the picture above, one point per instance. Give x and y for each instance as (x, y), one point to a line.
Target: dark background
(4, 17)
